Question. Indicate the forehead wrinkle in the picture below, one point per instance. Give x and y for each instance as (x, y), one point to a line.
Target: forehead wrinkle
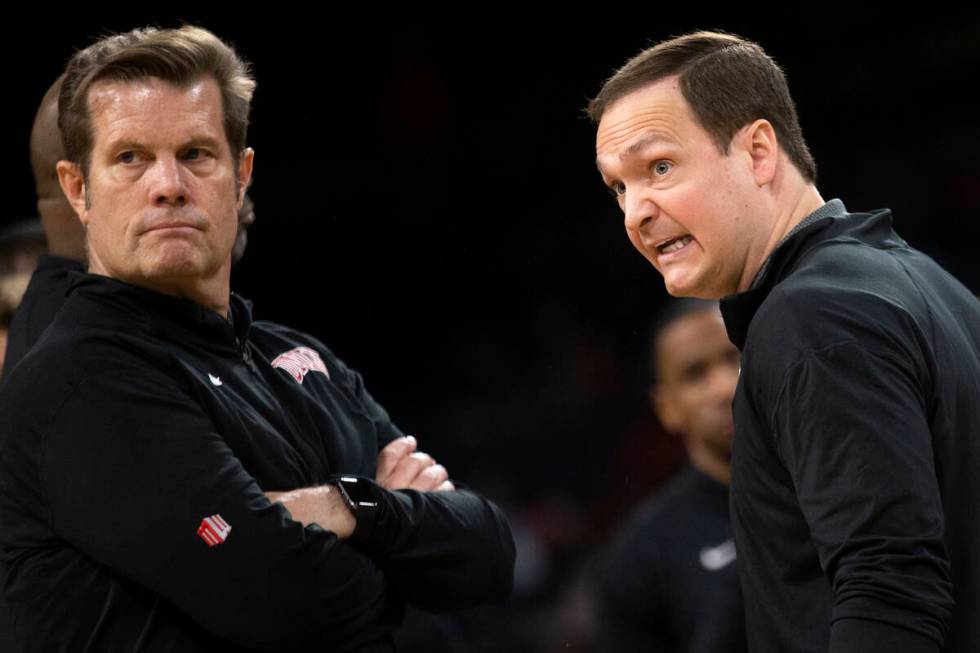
(640, 144)
(659, 107)
(636, 132)
(126, 110)
(648, 123)
(647, 138)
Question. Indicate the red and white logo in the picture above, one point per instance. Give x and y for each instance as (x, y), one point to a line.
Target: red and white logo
(297, 362)
(214, 530)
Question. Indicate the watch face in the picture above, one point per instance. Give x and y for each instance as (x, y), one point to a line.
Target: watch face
(361, 495)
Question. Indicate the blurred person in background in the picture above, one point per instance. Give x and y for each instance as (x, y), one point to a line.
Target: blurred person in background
(64, 234)
(668, 580)
(21, 243)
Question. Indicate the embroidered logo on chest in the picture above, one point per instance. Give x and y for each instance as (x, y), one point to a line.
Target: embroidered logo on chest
(298, 362)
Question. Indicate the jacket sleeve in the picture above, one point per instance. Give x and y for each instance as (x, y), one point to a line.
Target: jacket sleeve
(440, 550)
(132, 468)
(851, 428)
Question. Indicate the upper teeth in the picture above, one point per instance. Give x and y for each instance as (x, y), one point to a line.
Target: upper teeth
(675, 245)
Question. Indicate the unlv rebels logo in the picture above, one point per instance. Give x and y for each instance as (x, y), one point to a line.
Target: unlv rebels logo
(297, 362)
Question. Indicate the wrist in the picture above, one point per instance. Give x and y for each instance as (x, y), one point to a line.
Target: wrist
(340, 518)
(362, 499)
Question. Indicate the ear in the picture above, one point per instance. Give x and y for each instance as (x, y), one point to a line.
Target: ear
(73, 186)
(759, 140)
(245, 162)
(661, 400)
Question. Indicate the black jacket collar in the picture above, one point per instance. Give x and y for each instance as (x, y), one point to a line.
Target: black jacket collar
(874, 228)
(167, 316)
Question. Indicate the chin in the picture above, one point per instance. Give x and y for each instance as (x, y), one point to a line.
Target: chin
(682, 289)
(176, 264)
(692, 289)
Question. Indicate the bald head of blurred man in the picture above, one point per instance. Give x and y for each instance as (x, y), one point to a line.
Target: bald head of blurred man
(64, 232)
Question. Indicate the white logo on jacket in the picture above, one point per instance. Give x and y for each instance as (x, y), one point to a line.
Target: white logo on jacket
(718, 557)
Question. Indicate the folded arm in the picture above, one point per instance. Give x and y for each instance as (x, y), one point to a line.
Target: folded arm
(132, 469)
(439, 547)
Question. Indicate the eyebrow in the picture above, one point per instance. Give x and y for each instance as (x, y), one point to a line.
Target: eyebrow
(638, 145)
(202, 141)
(125, 144)
(130, 144)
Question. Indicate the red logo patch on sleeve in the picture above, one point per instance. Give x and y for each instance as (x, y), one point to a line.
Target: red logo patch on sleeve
(213, 530)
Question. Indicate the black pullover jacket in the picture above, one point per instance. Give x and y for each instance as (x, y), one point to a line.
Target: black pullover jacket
(141, 426)
(856, 465)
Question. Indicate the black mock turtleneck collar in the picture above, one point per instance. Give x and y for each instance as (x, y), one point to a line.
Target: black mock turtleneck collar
(169, 316)
(820, 227)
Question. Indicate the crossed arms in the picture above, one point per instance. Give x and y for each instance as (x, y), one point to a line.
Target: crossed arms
(128, 488)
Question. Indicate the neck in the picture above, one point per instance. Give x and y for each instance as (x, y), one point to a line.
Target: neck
(710, 463)
(212, 292)
(788, 213)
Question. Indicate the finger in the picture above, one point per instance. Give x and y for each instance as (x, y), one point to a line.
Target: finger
(407, 469)
(447, 486)
(430, 478)
(393, 452)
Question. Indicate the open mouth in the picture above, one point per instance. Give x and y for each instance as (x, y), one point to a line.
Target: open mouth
(673, 245)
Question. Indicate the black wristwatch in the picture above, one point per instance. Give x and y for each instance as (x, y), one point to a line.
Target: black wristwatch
(358, 494)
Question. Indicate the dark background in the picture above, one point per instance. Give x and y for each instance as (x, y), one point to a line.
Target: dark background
(428, 206)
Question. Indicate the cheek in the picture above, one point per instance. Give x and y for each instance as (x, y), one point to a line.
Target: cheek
(634, 239)
(229, 228)
(102, 228)
(691, 409)
(706, 196)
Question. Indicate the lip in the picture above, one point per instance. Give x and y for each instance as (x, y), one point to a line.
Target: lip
(670, 256)
(174, 227)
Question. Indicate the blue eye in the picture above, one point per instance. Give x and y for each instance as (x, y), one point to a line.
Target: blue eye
(617, 190)
(126, 157)
(662, 167)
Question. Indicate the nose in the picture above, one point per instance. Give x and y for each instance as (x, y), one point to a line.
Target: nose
(167, 184)
(639, 210)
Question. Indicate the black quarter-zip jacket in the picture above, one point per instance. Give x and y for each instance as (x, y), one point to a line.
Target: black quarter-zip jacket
(856, 461)
(138, 418)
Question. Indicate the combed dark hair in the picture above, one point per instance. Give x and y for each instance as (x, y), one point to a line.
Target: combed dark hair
(179, 56)
(728, 82)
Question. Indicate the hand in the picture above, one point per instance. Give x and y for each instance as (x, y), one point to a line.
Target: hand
(320, 505)
(401, 467)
